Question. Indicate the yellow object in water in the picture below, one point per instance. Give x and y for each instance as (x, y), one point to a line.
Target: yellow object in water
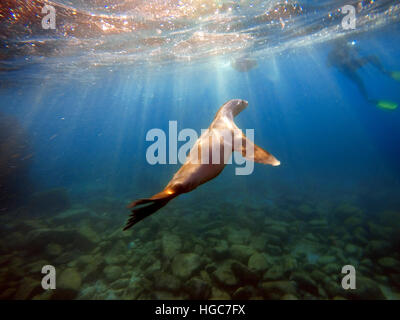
(395, 75)
(387, 105)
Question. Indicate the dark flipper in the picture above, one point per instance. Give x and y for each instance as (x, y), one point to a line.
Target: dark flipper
(143, 212)
(150, 206)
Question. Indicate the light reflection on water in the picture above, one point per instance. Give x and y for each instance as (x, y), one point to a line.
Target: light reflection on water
(100, 33)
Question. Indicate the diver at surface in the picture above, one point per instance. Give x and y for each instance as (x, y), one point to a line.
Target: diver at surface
(346, 58)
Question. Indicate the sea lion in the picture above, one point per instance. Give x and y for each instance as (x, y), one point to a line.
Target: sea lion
(195, 171)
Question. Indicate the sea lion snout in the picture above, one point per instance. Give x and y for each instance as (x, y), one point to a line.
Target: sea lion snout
(238, 105)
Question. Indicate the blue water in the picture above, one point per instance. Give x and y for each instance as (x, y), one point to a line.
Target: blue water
(88, 137)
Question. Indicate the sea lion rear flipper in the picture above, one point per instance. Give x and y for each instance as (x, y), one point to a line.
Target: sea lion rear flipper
(151, 205)
(251, 151)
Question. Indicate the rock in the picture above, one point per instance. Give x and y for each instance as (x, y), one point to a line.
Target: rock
(87, 232)
(164, 295)
(92, 266)
(216, 233)
(69, 279)
(87, 293)
(289, 297)
(377, 248)
(36, 267)
(147, 261)
(361, 236)
(320, 225)
(311, 237)
(120, 284)
(50, 201)
(258, 262)
(217, 294)
(165, 281)
(244, 293)
(305, 210)
(171, 245)
(53, 249)
(352, 249)
(381, 232)
(274, 273)
(47, 295)
(221, 250)
(390, 264)
(5, 259)
(366, 289)
(198, 249)
(333, 288)
(323, 260)
(304, 282)
(239, 236)
(332, 268)
(271, 240)
(205, 276)
(276, 289)
(273, 250)
(278, 230)
(243, 273)
(38, 239)
(112, 273)
(184, 265)
(156, 266)
(224, 276)
(210, 268)
(395, 280)
(27, 289)
(134, 292)
(390, 218)
(68, 285)
(7, 294)
(352, 222)
(318, 275)
(112, 259)
(288, 264)
(241, 252)
(259, 242)
(198, 289)
(72, 215)
(110, 296)
(345, 210)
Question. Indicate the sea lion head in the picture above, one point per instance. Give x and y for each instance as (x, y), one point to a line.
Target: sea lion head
(237, 106)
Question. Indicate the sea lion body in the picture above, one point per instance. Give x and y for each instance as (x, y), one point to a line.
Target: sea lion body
(244, 64)
(206, 160)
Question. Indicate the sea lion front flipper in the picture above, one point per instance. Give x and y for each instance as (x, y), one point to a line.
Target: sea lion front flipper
(251, 151)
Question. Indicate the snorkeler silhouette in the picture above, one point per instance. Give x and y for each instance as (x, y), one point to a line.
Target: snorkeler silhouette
(347, 59)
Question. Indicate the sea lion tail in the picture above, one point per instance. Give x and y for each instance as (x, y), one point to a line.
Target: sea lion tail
(151, 205)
